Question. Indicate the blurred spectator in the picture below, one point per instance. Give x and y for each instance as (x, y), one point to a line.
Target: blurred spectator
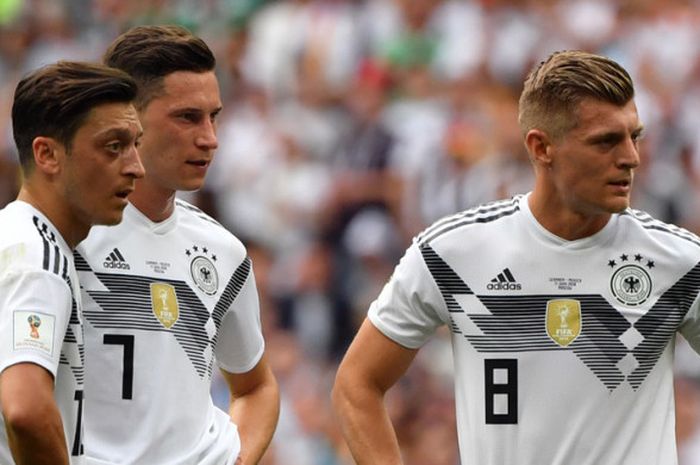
(349, 125)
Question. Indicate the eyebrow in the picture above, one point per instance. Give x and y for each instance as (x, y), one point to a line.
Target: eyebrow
(614, 135)
(196, 110)
(119, 133)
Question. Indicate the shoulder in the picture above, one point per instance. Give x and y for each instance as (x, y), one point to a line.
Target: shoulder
(194, 214)
(200, 224)
(29, 243)
(491, 214)
(644, 223)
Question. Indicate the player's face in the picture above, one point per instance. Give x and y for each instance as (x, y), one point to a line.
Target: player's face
(593, 164)
(180, 131)
(102, 164)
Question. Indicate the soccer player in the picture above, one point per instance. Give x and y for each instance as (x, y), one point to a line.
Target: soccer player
(76, 132)
(169, 293)
(562, 304)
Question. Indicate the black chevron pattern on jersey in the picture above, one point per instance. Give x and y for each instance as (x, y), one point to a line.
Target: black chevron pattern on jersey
(127, 304)
(80, 263)
(516, 323)
(76, 359)
(660, 323)
(449, 283)
(229, 294)
(481, 214)
(447, 280)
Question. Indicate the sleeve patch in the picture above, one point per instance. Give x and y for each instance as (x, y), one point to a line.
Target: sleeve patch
(33, 330)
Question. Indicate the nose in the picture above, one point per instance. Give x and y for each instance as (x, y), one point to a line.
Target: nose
(206, 138)
(628, 157)
(132, 164)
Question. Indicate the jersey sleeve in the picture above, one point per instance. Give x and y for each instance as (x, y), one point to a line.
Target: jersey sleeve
(408, 309)
(690, 327)
(35, 312)
(240, 343)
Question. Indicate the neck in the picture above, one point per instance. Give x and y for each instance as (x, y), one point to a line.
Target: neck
(65, 220)
(563, 221)
(156, 203)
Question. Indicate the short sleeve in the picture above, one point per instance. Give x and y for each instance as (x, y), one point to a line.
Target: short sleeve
(690, 327)
(36, 308)
(240, 343)
(409, 306)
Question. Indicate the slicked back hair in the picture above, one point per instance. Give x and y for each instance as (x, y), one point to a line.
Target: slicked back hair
(55, 100)
(554, 88)
(150, 53)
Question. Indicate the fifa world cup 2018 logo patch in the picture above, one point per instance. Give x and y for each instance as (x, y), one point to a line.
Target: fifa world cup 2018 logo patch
(34, 323)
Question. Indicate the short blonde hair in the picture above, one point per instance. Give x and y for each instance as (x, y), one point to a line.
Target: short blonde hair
(555, 87)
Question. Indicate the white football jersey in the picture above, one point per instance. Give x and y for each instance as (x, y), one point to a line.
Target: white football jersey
(164, 302)
(40, 316)
(563, 350)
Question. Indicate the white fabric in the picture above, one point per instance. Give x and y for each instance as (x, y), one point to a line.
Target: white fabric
(40, 318)
(593, 384)
(173, 297)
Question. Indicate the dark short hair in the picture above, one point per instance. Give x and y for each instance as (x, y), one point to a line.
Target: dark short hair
(556, 86)
(150, 53)
(54, 101)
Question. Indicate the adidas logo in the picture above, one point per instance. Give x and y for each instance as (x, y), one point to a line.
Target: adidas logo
(504, 282)
(115, 260)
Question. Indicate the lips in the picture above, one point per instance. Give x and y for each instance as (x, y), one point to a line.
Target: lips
(200, 163)
(124, 193)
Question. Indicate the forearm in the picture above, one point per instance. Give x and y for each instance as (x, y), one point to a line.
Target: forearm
(43, 445)
(366, 425)
(32, 419)
(256, 414)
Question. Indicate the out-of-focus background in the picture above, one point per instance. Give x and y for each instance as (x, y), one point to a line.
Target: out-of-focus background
(350, 125)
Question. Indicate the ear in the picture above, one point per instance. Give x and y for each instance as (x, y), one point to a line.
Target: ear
(47, 154)
(539, 146)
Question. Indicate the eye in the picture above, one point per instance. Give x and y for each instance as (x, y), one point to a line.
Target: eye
(606, 143)
(114, 147)
(190, 117)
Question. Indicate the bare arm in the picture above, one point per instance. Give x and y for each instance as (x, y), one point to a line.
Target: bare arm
(371, 366)
(255, 408)
(32, 420)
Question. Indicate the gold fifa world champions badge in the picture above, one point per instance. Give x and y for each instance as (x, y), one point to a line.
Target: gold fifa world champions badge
(164, 304)
(563, 320)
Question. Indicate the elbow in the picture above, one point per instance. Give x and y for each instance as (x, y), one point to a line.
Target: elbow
(26, 414)
(273, 391)
(345, 392)
(22, 420)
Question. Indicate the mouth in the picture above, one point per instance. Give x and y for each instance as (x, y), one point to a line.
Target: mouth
(621, 185)
(199, 163)
(124, 193)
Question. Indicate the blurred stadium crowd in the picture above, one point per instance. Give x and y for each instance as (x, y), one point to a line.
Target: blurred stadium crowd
(350, 125)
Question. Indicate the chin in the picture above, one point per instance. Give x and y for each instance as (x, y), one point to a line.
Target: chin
(110, 220)
(192, 186)
(618, 206)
